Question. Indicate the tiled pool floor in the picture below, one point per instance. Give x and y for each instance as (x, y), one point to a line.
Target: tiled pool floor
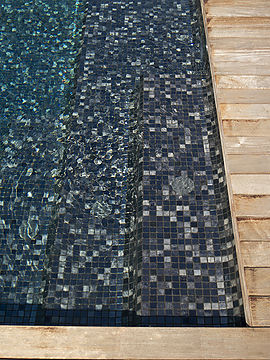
(137, 230)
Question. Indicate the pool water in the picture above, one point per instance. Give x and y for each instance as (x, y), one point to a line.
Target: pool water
(114, 206)
(40, 42)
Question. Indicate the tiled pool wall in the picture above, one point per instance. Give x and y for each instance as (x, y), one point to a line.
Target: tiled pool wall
(39, 47)
(118, 214)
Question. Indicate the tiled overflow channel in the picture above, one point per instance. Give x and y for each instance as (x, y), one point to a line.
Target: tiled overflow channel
(119, 213)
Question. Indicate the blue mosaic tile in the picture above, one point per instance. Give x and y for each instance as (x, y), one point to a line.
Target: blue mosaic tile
(115, 206)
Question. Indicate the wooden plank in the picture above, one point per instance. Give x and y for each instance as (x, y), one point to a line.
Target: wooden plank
(238, 8)
(258, 281)
(243, 82)
(238, 32)
(260, 307)
(247, 57)
(251, 206)
(240, 43)
(236, 68)
(21, 342)
(238, 11)
(233, 3)
(243, 96)
(245, 111)
(255, 253)
(247, 145)
(246, 127)
(251, 184)
(245, 163)
(254, 229)
(239, 22)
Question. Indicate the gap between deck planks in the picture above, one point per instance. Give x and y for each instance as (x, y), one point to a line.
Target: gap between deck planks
(238, 38)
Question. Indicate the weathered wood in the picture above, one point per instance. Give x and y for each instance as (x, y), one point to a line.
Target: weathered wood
(254, 229)
(233, 3)
(237, 32)
(248, 164)
(239, 43)
(243, 82)
(237, 8)
(243, 96)
(258, 281)
(245, 111)
(134, 343)
(253, 22)
(251, 184)
(254, 57)
(255, 253)
(247, 145)
(260, 310)
(246, 127)
(252, 206)
(238, 36)
(239, 68)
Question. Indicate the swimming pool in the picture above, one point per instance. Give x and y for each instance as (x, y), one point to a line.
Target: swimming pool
(114, 199)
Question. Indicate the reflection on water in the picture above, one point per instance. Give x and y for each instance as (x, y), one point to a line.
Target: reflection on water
(38, 49)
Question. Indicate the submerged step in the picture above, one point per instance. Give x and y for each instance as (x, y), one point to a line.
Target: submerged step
(139, 232)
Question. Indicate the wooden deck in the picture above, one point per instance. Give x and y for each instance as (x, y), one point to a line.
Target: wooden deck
(57, 342)
(238, 37)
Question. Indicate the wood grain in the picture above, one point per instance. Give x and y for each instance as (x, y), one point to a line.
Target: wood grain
(243, 32)
(239, 43)
(245, 111)
(255, 254)
(253, 22)
(243, 82)
(260, 310)
(253, 128)
(250, 184)
(247, 145)
(243, 96)
(240, 68)
(258, 281)
(26, 342)
(237, 8)
(238, 38)
(257, 206)
(254, 229)
(254, 57)
(248, 164)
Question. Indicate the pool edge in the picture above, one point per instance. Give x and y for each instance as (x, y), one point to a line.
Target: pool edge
(244, 185)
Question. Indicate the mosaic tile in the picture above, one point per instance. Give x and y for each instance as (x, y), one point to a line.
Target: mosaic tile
(37, 59)
(187, 267)
(121, 209)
